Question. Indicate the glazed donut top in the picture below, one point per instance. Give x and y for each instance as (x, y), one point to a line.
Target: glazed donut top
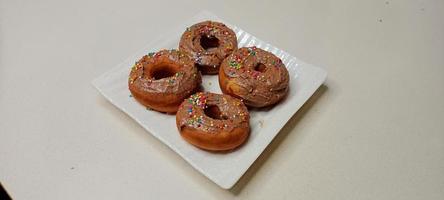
(179, 77)
(221, 38)
(232, 113)
(262, 77)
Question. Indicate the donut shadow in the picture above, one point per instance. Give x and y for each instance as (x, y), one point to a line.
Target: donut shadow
(287, 129)
(200, 88)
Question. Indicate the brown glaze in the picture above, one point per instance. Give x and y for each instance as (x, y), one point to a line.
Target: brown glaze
(254, 75)
(162, 80)
(208, 43)
(213, 121)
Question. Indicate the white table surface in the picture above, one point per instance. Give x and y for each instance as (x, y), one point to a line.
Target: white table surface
(374, 131)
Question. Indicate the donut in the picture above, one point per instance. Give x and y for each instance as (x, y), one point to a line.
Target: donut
(254, 75)
(162, 80)
(208, 43)
(213, 122)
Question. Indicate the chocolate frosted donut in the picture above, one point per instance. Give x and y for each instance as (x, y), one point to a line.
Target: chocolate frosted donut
(254, 75)
(208, 43)
(162, 80)
(213, 121)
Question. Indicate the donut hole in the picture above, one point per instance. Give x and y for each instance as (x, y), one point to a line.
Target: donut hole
(208, 42)
(214, 112)
(163, 71)
(260, 67)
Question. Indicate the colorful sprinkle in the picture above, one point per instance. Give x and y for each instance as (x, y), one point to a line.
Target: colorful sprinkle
(235, 65)
(198, 100)
(195, 121)
(178, 74)
(230, 46)
(252, 51)
(134, 67)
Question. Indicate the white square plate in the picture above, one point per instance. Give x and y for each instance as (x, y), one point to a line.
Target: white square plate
(224, 169)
